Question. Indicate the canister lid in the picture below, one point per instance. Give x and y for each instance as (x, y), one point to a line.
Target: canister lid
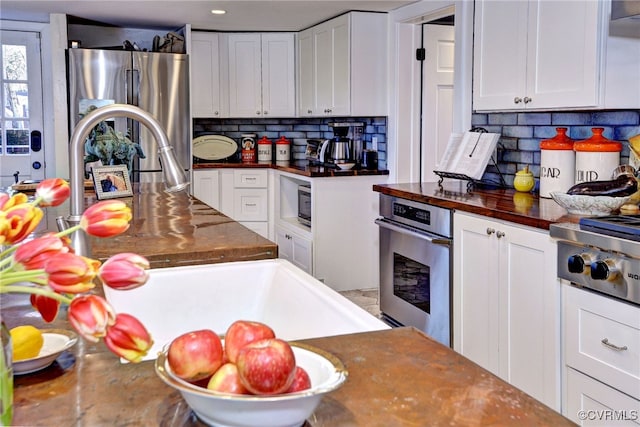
(559, 142)
(598, 143)
(283, 140)
(264, 140)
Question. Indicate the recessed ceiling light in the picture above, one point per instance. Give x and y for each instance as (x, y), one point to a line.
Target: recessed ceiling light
(218, 11)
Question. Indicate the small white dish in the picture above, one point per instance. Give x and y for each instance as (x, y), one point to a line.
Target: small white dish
(345, 166)
(327, 373)
(579, 204)
(55, 342)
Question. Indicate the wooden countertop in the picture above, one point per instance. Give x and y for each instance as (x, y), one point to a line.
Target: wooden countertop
(301, 167)
(397, 377)
(506, 204)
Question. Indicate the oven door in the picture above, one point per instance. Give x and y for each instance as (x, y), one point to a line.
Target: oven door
(415, 279)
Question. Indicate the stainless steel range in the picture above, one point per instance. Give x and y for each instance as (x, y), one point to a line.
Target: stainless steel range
(601, 254)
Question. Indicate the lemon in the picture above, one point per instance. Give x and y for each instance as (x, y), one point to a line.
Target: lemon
(27, 341)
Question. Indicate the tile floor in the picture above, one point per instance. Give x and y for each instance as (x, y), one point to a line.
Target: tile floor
(365, 298)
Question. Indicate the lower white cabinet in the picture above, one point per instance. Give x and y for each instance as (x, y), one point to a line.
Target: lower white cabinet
(506, 303)
(206, 186)
(294, 248)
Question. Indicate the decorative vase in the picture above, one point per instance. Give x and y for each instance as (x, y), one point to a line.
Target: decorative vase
(6, 376)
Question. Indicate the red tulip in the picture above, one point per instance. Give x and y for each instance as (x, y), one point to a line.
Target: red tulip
(47, 307)
(33, 255)
(128, 338)
(106, 219)
(52, 192)
(124, 271)
(21, 220)
(70, 273)
(91, 315)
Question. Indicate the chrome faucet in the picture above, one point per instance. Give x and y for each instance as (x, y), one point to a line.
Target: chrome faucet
(174, 176)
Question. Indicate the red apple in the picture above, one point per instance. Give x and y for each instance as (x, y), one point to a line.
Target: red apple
(243, 332)
(195, 355)
(266, 366)
(227, 380)
(301, 381)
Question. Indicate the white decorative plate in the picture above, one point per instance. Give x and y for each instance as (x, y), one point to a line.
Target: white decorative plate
(588, 205)
(55, 342)
(214, 147)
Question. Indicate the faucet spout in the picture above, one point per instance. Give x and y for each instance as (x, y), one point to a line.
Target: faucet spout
(174, 176)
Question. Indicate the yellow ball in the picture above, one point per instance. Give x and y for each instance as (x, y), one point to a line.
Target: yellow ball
(27, 342)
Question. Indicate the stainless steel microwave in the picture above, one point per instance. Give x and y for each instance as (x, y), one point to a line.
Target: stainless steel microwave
(304, 204)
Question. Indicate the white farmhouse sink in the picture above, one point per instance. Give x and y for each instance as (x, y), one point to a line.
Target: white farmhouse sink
(295, 304)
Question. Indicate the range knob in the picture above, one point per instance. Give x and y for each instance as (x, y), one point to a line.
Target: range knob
(579, 263)
(604, 270)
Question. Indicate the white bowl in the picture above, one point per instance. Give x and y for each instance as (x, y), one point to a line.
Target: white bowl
(345, 166)
(327, 373)
(588, 205)
(55, 342)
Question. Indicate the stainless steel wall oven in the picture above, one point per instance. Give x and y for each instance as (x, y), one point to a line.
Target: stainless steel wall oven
(415, 266)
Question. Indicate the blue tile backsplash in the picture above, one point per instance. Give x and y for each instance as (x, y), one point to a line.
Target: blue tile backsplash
(521, 133)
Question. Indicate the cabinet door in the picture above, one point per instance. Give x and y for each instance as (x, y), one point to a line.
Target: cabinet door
(278, 75)
(285, 244)
(563, 53)
(302, 256)
(206, 187)
(306, 77)
(205, 75)
(475, 289)
(529, 312)
(245, 84)
(332, 67)
(500, 54)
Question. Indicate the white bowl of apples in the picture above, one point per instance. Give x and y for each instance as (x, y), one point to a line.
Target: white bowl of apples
(249, 378)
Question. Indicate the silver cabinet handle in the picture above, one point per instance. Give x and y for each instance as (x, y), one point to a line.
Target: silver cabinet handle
(490, 231)
(411, 232)
(266, 112)
(517, 100)
(606, 342)
(527, 100)
(500, 234)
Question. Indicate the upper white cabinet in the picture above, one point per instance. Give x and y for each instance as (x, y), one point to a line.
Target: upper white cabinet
(506, 303)
(537, 54)
(342, 66)
(261, 75)
(206, 96)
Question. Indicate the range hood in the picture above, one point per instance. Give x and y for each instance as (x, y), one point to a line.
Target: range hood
(621, 9)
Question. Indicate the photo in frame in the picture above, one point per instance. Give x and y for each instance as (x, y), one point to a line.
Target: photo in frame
(111, 182)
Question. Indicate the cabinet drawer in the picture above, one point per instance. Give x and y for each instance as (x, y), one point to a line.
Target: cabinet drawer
(589, 402)
(250, 178)
(250, 205)
(602, 339)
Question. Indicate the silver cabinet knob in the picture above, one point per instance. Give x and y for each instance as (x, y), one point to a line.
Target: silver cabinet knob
(309, 111)
(500, 234)
(265, 112)
(517, 100)
(527, 100)
(257, 113)
(490, 231)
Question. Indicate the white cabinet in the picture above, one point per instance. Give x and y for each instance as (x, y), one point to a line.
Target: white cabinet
(506, 303)
(601, 339)
(261, 75)
(342, 66)
(206, 96)
(294, 248)
(537, 54)
(206, 187)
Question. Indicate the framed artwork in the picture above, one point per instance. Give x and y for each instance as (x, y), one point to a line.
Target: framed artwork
(111, 182)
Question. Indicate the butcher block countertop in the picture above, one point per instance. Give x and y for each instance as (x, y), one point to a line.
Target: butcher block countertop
(507, 204)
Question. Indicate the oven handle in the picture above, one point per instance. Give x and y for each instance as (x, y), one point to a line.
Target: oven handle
(413, 232)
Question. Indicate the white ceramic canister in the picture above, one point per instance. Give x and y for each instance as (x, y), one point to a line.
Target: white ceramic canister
(264, 150)
(557, 163)
(596, 157)
(283, 147)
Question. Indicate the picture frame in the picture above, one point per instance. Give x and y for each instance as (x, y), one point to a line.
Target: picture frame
(111, 182)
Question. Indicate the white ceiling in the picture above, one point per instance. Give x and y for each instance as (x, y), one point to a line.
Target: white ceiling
(242, 15)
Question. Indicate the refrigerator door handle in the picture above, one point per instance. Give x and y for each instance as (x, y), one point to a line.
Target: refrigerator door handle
(132, 86)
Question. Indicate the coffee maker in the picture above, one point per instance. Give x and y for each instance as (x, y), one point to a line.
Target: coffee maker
(347, 144)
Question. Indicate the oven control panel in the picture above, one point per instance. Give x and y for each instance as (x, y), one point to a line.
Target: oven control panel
(612, 273)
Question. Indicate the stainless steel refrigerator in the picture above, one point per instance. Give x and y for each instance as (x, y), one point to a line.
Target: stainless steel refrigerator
(155, 82)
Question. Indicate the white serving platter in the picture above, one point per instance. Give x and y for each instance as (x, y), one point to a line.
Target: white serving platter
(214, 147)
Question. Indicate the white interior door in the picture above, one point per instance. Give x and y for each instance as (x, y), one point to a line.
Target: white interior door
(437, 100)
(22, 142)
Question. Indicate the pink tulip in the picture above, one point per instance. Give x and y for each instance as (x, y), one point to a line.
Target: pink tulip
(47, 307)
(128, 338)
(33, 255)
(106, 219)
(70, 273)
(18, 221)
(52, 192)
(91, 315)
(124, 271)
